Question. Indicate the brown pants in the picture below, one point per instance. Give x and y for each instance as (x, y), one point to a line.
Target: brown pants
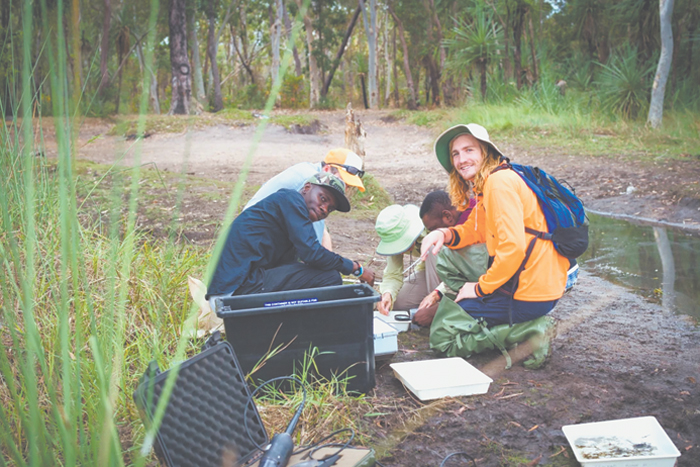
(417, 285)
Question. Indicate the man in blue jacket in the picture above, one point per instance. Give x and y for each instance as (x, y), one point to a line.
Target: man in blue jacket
(341, 162)
(272, 245)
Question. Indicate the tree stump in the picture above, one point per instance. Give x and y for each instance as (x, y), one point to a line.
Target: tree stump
(355, 134)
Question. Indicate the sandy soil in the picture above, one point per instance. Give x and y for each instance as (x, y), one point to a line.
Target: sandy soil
(615, 355)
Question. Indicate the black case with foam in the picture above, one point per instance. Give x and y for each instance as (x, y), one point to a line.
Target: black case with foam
(203, 423)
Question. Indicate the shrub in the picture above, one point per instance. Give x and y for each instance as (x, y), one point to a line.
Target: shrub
(293, 94)
(624, 84)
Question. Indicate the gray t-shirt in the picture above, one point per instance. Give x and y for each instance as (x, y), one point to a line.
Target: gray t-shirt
(292, 178)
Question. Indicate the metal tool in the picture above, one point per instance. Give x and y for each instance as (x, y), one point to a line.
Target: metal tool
(413, 264)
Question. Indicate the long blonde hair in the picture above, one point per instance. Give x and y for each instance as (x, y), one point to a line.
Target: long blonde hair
(461, 190)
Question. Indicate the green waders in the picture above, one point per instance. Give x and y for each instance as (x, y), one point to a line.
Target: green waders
(455, 333)
(455, 267)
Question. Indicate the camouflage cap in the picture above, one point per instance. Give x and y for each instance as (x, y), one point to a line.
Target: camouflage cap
(337, 187)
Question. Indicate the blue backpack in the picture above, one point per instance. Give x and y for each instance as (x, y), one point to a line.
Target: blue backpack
(567, 224)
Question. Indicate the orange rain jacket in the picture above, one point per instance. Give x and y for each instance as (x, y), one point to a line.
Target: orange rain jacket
(499, 219)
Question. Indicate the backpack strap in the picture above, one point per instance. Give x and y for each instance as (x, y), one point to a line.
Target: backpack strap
(505, 164)
(537, 234)
(516, 277)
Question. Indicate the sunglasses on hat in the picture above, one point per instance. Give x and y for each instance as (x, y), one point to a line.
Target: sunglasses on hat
(350, 169)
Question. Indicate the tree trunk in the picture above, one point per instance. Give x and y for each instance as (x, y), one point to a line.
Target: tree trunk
(506, 47)
(675, 66)
(5, 14)
(656, 108)
(371, 32)
(693, 25)
(122, 51)
(104, 45)
(243, 38)
(535, 73)
(314, 82)
(153, 87)
(75, 44)
(364, 90)
(443, 84)
(205, 71)
(482, 70)
(395, 66)
(389, 64)
(434, 73)
(508, 71)
(407, 68)
(179, 62)
(215, 99)
(276, 39)
(517, 36)
(431, 78)
(242, 53)
(199, 93)
(295, 52)
(349, 78)
(341, 50)
(589, 34)
(217, 102)
(426, 85)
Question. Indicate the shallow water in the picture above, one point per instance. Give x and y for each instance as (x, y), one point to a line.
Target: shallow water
(659, 262)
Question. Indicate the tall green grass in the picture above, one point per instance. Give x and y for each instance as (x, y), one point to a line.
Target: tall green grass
(85, 305)
(81, 310)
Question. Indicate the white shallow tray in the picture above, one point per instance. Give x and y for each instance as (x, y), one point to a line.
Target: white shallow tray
(399, 325)
(385, 340)
(443, 377)
(628, 442)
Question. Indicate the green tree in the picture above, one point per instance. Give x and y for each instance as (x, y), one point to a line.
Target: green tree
(475, 43)
(623, 84)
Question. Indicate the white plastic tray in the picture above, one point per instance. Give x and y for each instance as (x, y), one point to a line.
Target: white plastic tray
(399, 325)
(628, 442)
(443, 377)
(385, 338)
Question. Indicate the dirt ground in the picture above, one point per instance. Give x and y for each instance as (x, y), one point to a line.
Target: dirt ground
(615, 354)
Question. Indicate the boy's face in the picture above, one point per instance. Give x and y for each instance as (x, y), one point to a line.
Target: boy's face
(319, 200)
(437, 220)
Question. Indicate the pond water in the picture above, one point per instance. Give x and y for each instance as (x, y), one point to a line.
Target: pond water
(659, 262)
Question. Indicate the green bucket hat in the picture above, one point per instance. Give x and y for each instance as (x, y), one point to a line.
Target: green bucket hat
(337, 187)
(398, 227)
(442, 143)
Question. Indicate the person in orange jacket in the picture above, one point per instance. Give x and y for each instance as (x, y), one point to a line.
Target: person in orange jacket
(505, 207)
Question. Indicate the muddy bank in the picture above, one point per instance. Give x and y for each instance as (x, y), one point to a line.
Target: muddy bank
(616, 354)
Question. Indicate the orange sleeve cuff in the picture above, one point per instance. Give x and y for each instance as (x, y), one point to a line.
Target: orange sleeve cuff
(479, 292)
(455, 238)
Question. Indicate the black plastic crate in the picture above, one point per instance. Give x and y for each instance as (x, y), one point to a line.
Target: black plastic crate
(203, 423)
(336, 320)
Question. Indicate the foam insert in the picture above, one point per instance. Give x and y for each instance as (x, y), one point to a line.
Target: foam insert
(203, 422)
